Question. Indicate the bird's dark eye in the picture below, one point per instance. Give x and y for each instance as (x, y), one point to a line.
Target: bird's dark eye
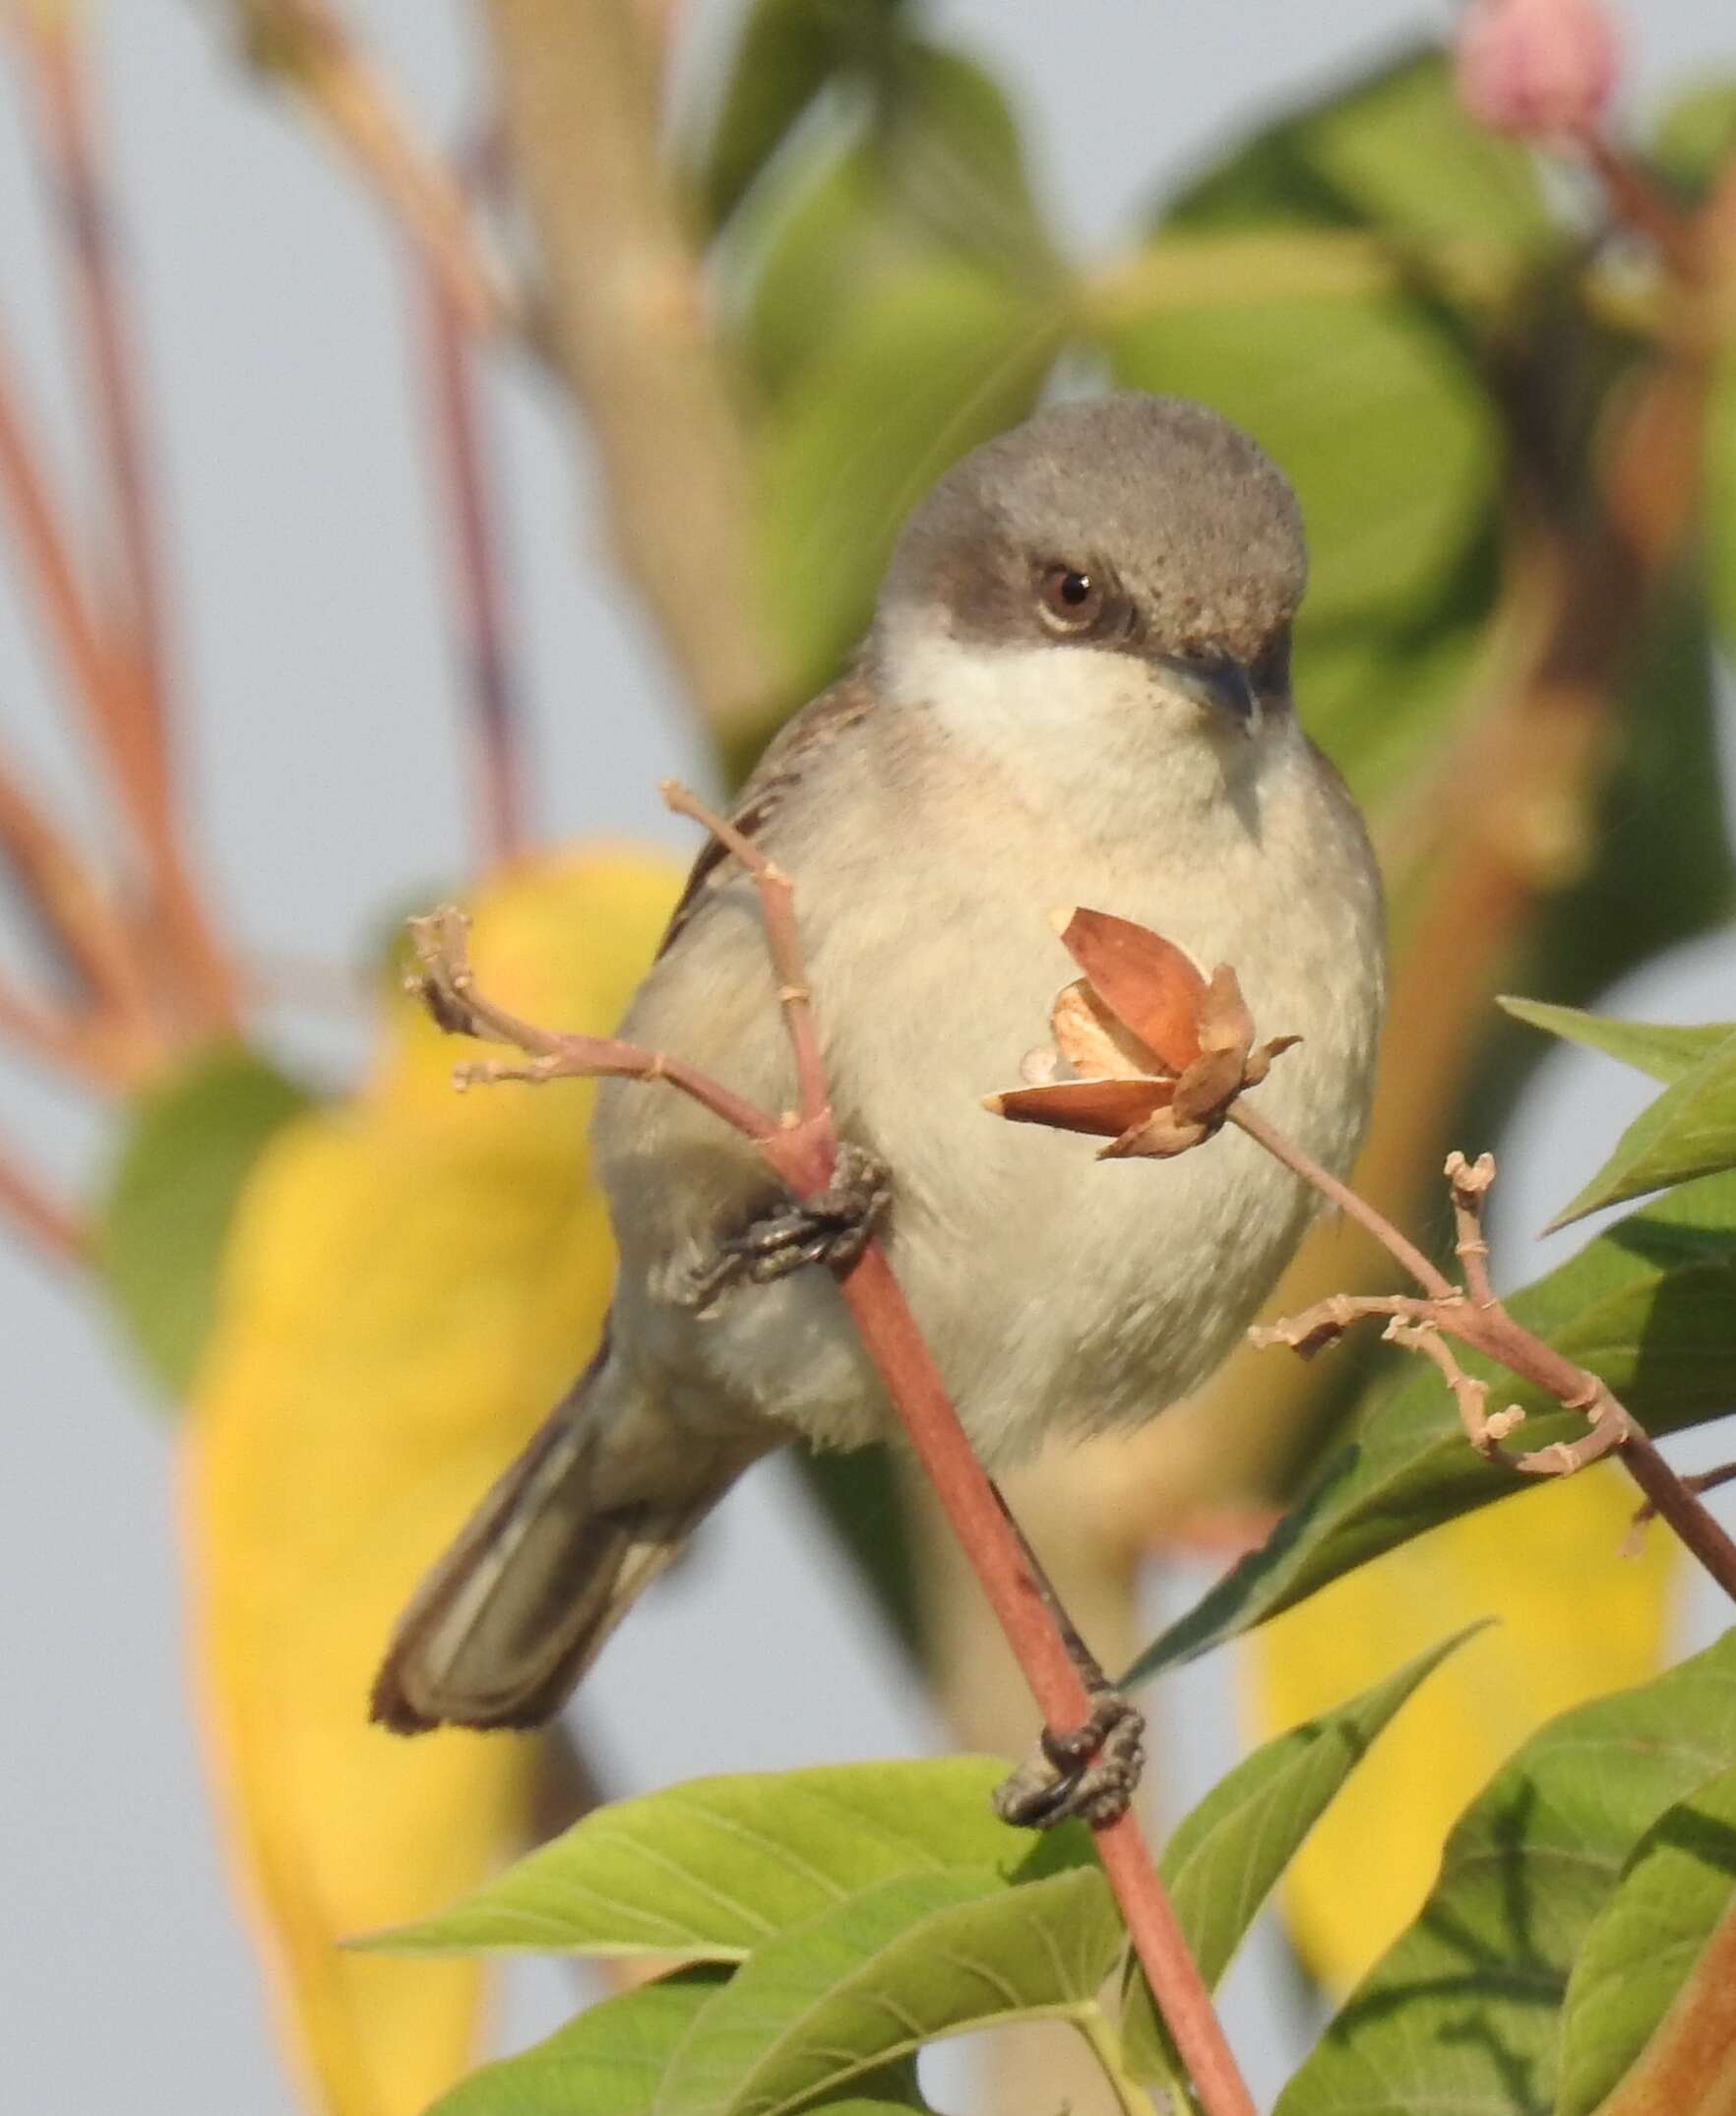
(1070, 598)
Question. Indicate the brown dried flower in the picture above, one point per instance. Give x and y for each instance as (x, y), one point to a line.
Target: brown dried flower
(1157, 1051)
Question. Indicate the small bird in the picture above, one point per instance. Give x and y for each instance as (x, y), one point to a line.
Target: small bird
(1075, 689)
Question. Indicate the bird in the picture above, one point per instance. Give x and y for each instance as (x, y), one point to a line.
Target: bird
(1075, 689)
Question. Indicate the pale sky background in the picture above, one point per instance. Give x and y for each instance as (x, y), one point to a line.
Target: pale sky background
(325, 751)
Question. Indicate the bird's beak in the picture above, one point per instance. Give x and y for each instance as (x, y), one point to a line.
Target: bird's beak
(1215, 680)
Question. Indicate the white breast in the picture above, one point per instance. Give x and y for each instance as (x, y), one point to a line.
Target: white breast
(1058, 1291)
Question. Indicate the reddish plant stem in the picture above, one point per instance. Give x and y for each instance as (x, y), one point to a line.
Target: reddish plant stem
(496, 725)
(901, 1356)
(447, 986)
(310, 45)
(117, 702)
(51, 1227)
(112, 701)
(802, 1153)
(136, 641)
(904, 1362)
(1639, 200)
(87, 214)
(778, 909)
(68, 904)
(1435, 1283)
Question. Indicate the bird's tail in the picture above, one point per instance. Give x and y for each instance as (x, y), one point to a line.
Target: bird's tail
(515, 1611)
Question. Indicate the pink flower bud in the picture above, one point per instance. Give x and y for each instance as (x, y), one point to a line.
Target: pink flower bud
(1536, 68)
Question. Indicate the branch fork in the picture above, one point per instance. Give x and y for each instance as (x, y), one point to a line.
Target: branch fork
(1471, 1314)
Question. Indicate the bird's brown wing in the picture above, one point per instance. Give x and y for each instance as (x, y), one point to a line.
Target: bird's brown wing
(787, 757)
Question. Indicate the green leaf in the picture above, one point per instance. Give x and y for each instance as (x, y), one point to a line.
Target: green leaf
(1696, 134)
(951, 161)
(1398, 150)
(1662, 867)
(949, 359)
(1688, 1131)
(713, 1869)
(1394, 498)
(927, 170)
(1462, 2015)
(875, 1977)
(1657, 843)
(1664, 1051)
(610, 2061)
(611, 2057)
(1646, 1305)
(1349, 675)
(189, 1144)
(1392, 149)
(783, 57)
(1400, 501)
(1230, 1852)
(1677, 1884)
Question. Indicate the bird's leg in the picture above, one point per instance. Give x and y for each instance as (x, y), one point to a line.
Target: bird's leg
(833, 1228)
(1090, 1769)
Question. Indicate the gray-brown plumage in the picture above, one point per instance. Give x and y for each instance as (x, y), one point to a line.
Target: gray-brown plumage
(1074, 691)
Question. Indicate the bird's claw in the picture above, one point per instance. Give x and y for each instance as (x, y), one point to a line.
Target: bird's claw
(831, 1228)
(1090, 1771)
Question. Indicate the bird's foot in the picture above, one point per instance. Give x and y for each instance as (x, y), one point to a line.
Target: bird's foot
(831, 1228)
(1090, 1771)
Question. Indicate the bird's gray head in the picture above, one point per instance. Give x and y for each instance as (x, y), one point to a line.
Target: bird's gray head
(1144, 529)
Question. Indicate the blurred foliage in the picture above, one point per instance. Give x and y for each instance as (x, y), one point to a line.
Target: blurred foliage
(1639, 1987)
(1401, 500)
(188, 1148)
(411, 1282)
(1526, 1873)
(1571, 1621)
(1514, 441)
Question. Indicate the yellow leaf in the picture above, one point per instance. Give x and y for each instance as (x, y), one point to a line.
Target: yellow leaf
(1575, 1621)
(412, 1280)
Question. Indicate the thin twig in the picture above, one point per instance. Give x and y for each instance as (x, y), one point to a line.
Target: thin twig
(110, 683)
(495, 720)
(307, 43)
(1700, 1481)
(1471, 1183)
(52, 41)
(1433, 1281)
(778, 910)
(447, 986)
(64, 1043)
(1471, 1395)
(1487, 1326)
(51, 1226)
(75, 917)
(112, 693)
